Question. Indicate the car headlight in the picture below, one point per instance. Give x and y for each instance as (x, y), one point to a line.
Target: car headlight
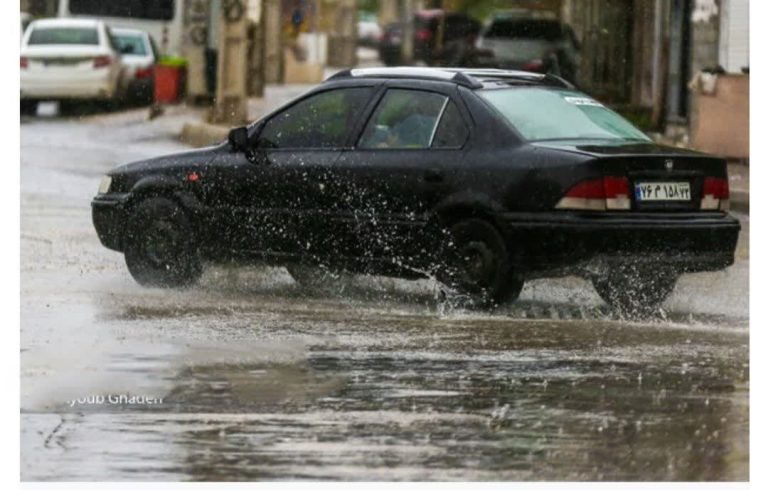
(106, 182)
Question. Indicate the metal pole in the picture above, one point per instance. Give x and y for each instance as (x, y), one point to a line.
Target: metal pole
(407, 20)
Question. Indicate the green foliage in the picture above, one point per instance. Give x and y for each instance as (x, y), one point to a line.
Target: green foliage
(640, 117)
(368, 6)
(479, 9)
(172, 61)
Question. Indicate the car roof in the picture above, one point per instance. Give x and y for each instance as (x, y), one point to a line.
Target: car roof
(468, 77)
(59, 22)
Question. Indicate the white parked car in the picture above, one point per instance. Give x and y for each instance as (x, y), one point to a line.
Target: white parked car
(368, 30)
(139, 54)
(63, 59)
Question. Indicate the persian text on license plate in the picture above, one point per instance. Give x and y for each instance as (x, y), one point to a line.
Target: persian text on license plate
(663, 191)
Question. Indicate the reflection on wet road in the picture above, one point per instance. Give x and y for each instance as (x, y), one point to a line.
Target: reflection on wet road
(253, 377)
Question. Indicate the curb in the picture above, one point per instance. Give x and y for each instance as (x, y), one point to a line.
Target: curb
(740, 201)
(202, 134)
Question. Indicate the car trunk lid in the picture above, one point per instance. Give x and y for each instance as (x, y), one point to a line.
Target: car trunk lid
(658, 178)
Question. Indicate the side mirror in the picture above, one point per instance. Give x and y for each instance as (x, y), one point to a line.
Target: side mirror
(238, 139)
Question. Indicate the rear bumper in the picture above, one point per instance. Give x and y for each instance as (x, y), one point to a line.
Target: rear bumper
(589, 242)
(91, 85)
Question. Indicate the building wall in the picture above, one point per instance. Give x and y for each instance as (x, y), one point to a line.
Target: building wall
(39, 8)
(734, 35)
(605, 30)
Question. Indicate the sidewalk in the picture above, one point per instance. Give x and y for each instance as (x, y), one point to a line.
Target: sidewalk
(738, 176)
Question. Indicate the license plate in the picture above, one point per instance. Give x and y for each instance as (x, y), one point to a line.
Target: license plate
(662, 191)
(63, 61)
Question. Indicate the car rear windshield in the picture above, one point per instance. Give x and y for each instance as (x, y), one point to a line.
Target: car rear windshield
(64, 35)
(128, 44)
(546, 30)
(553, 114)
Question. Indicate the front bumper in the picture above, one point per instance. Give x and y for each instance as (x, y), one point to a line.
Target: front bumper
(689, 242)
(109, 219)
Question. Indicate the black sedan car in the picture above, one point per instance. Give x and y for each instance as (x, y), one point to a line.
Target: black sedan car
(482, 179)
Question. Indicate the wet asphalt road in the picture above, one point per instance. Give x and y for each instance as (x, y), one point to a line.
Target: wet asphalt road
(253, 377)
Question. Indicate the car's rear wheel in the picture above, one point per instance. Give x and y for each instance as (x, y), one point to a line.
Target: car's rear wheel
(634, 289)
(475, 263)
(160, 249)
(28, 107)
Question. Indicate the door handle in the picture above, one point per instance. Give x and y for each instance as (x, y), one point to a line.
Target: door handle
(433, 176)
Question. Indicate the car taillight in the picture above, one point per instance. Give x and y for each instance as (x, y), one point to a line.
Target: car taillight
(598, 195)
(102, 61)
(144, 72)
(24, 62)
(423, 35)
(534, 65)
(715, 194)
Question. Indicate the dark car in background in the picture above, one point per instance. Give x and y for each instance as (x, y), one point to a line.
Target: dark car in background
(391, 44)
(432, 30)
(534, 44)
(483, 179)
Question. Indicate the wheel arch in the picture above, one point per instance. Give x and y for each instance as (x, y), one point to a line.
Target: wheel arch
(164, 187)
(466, 205)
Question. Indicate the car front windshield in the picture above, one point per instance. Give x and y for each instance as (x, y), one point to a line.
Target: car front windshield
(553, 114)
(64, 35)
(128, 44)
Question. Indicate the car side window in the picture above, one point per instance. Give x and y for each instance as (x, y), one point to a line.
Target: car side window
(451, 132)
(320, 121)
(404, 119)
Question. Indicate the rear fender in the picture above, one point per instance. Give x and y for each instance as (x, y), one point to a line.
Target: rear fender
(464, 205)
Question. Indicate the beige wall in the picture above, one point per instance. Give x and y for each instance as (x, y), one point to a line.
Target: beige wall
(720, 121)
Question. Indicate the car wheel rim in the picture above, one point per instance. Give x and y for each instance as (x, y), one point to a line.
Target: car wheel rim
(161, 245)
(476, 264)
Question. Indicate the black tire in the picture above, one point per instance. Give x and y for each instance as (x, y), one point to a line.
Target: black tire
(28, 107)
(475, 263)
(160, 250)
(632, 289)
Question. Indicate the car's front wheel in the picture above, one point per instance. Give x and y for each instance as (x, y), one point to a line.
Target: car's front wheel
(633, 289)
(160, 249)
(475, 263)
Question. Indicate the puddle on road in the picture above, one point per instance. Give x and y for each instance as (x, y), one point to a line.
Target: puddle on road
(261, 379)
